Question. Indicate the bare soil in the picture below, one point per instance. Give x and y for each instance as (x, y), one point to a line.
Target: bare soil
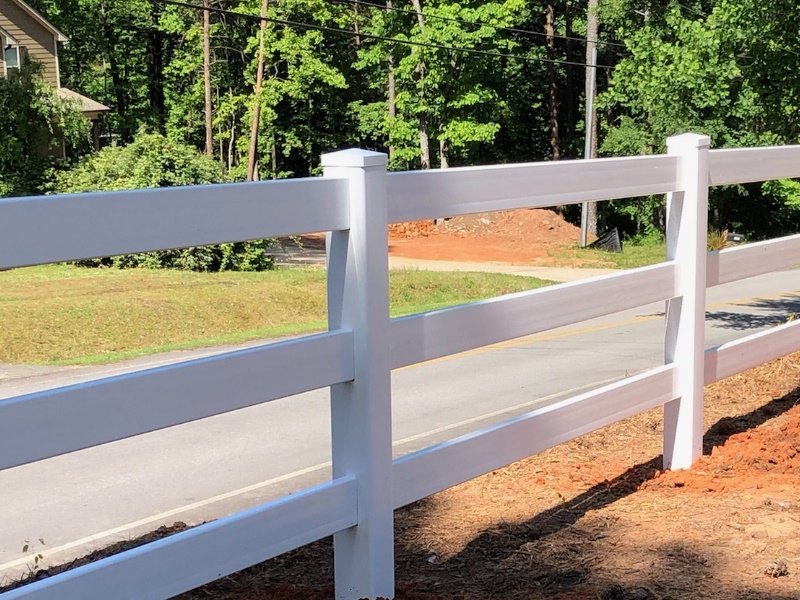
(596, 518)
(518, 236)
(525, 236)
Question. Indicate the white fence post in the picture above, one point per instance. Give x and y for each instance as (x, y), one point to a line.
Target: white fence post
(361, 410)
(687, 223)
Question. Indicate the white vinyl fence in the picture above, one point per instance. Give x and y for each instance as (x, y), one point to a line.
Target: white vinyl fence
(355, 199)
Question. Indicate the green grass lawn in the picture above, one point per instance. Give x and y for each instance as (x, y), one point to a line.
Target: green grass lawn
(60, 314)
(630, 257)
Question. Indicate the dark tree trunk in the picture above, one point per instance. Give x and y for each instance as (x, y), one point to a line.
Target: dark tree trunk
(253, 151)
(155, 69)
(391, 90)
(568, 119)
(551, 82)
(207, 78)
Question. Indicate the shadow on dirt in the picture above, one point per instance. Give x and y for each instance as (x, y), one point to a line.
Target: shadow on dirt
(510, 561)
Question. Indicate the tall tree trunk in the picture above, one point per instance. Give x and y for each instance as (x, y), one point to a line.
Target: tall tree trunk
(424, 139)
(424, 143)
(155, 69)
(232, 142)
(591, 128)
(391, 91)
(253, 151)
(444, 154)
(568, 121)
(392, 102)
(274, 155)
(355, 24)
(207, 77)
(551, 82)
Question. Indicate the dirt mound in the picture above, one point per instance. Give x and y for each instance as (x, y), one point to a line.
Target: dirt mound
(754, 459)
(515, 236)
(412, 229)
(517, 226)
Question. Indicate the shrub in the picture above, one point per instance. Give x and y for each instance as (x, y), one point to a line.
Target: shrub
(151, 161)
(33, 121)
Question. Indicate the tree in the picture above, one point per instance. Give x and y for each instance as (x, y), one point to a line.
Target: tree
(35, 121)
(152, 160)
(728, 73)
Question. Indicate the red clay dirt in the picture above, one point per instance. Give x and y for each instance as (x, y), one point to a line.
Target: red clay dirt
(518, 236)
(596, 519)
(525, 236)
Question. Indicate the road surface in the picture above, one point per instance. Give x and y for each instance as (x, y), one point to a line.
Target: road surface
(213, 467)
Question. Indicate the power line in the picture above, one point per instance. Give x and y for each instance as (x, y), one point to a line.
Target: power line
(476, 23)
(380, 37)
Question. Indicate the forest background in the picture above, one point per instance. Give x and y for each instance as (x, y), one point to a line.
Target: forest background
(433, 83)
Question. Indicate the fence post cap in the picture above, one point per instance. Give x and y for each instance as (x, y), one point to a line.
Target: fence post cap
(355, 157)
(688, 140)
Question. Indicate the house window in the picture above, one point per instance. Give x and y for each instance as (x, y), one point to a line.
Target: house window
(14, 57)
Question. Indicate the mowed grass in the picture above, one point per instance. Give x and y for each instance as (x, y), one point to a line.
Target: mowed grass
(587, 258)
(60, 314)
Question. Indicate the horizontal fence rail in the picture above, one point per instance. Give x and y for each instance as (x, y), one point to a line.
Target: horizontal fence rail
(418, 195)
(192, 558)
(734, 264)
(442, 466)
(751, 351)
(748, 165)
(104, 410)
(358, 198)
(77, 226)
(426, 336)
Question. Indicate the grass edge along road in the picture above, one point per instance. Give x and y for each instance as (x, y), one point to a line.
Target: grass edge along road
(66, 315)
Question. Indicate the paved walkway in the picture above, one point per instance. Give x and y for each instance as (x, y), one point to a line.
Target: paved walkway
(560, 274)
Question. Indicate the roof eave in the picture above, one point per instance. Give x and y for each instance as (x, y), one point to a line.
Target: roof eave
(60, 37)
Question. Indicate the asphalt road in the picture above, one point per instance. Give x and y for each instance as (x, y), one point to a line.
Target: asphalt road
(210, 468)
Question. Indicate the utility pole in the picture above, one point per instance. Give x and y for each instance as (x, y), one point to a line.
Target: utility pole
(587, 148)
(207, 79)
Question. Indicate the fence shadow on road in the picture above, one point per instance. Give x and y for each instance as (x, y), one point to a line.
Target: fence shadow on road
(779, 311)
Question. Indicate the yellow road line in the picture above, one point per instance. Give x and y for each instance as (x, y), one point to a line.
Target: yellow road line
(554, 335)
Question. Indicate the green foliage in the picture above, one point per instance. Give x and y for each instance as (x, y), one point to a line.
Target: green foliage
(150, 161)
(154, 161)
(35, 123)
(455, 96)
(726, 71)
(726, 68)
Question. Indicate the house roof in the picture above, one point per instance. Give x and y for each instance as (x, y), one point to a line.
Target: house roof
(10, 39)
(86, 105)
(41, 20)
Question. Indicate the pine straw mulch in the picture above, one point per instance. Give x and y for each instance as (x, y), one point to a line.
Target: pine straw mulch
(595, 518)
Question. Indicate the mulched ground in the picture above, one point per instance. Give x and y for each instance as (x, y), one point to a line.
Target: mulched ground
(596, 518)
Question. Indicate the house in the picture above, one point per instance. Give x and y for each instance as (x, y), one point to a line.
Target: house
(24, 33)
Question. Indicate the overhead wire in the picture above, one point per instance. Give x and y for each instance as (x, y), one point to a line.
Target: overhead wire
(336, 30)
(474, 23)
